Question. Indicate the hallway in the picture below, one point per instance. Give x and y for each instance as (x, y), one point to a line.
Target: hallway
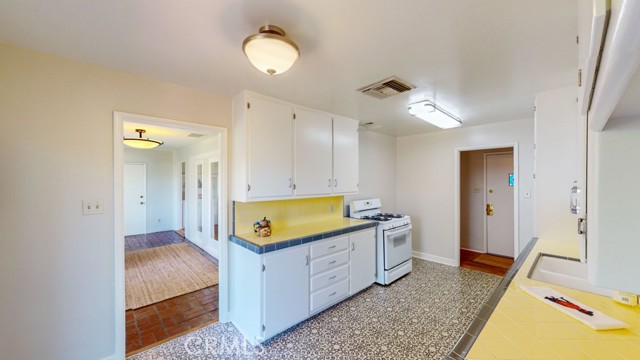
(156, 323)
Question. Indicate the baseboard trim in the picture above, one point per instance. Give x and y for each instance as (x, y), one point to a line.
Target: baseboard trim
(474, 250)
(112, 357)
(434, 258)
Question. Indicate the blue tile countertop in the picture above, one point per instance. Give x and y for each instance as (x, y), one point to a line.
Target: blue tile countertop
(298, 235)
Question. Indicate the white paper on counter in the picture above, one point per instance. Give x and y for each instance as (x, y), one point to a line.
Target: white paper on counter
(598, 321)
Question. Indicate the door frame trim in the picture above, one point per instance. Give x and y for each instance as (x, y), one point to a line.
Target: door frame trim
(486, 228)
(457, 200)
(119, 118)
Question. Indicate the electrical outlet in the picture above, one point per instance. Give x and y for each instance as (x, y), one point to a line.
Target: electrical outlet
(626, 298)
(331, 208)
(476, 190)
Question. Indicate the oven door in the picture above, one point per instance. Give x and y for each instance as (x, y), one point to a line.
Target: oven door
(397, 246)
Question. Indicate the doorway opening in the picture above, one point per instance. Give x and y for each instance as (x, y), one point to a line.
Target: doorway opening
(172, 215)
(487, 236)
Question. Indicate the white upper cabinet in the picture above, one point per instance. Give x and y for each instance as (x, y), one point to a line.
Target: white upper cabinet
(591, 27)
(270, 144)
(276, 157)
(345, 156)
(313, 152)
(262, 148)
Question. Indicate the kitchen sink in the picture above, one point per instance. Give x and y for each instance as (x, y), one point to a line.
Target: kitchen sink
(564, 271)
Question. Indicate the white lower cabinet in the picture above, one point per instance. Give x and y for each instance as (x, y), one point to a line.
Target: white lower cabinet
(329, 272)
(363, 260)
(271, 292)
(324, 298)
(286, 289)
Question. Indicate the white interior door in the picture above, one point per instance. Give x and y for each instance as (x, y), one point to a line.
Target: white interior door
(211, 210)
(196, 198)
(135, 199)
(499, 204)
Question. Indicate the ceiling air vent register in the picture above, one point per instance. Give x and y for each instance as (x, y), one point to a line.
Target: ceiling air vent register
(387, 87)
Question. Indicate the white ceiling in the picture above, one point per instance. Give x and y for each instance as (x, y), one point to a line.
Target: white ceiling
(482, 60)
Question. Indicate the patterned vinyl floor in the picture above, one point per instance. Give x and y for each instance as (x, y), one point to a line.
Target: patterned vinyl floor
(420, 316)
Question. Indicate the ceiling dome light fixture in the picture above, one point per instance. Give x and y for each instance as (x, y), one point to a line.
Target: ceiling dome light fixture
(140, 142)
(437, 116)
(270, 51)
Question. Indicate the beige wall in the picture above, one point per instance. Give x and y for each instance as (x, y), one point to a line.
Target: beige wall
(57, 266)
(426, 182)
(377, 176)
(558, 163)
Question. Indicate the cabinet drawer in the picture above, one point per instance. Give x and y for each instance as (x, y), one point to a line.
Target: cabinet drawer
(329, 262)
(329, 246)
(332, 277)
(329, 296)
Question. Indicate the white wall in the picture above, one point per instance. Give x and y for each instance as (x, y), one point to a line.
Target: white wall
(426, 183)
(557, 163)
(614, 205)
(472, 205)
(161, 197)
(207, 146)
(56, 265)
(377, 170)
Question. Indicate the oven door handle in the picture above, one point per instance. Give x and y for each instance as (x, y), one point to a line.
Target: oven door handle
(398, 230)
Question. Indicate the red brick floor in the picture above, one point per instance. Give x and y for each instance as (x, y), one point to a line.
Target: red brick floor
(167, 319)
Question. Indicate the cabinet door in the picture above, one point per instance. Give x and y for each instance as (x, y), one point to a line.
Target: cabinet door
(313, 152)
(270, 128)
(286, 289)
(345, 155)
(363, 260)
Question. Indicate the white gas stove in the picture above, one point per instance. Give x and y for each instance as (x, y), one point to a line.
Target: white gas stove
(393, 239)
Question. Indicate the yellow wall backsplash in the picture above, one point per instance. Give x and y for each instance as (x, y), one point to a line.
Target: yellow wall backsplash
(287, 213)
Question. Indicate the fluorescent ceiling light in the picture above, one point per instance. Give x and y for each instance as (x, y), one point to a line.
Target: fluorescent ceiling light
(270, 51)
(430, 113)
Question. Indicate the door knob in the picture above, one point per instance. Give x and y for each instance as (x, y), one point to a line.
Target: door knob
(489, 209)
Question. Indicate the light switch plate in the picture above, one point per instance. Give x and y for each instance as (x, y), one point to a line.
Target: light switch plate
(92, 207)
(527, 194)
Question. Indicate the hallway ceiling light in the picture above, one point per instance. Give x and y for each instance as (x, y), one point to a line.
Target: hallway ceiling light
(270, 51)
(140, 142)
(430, 113)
